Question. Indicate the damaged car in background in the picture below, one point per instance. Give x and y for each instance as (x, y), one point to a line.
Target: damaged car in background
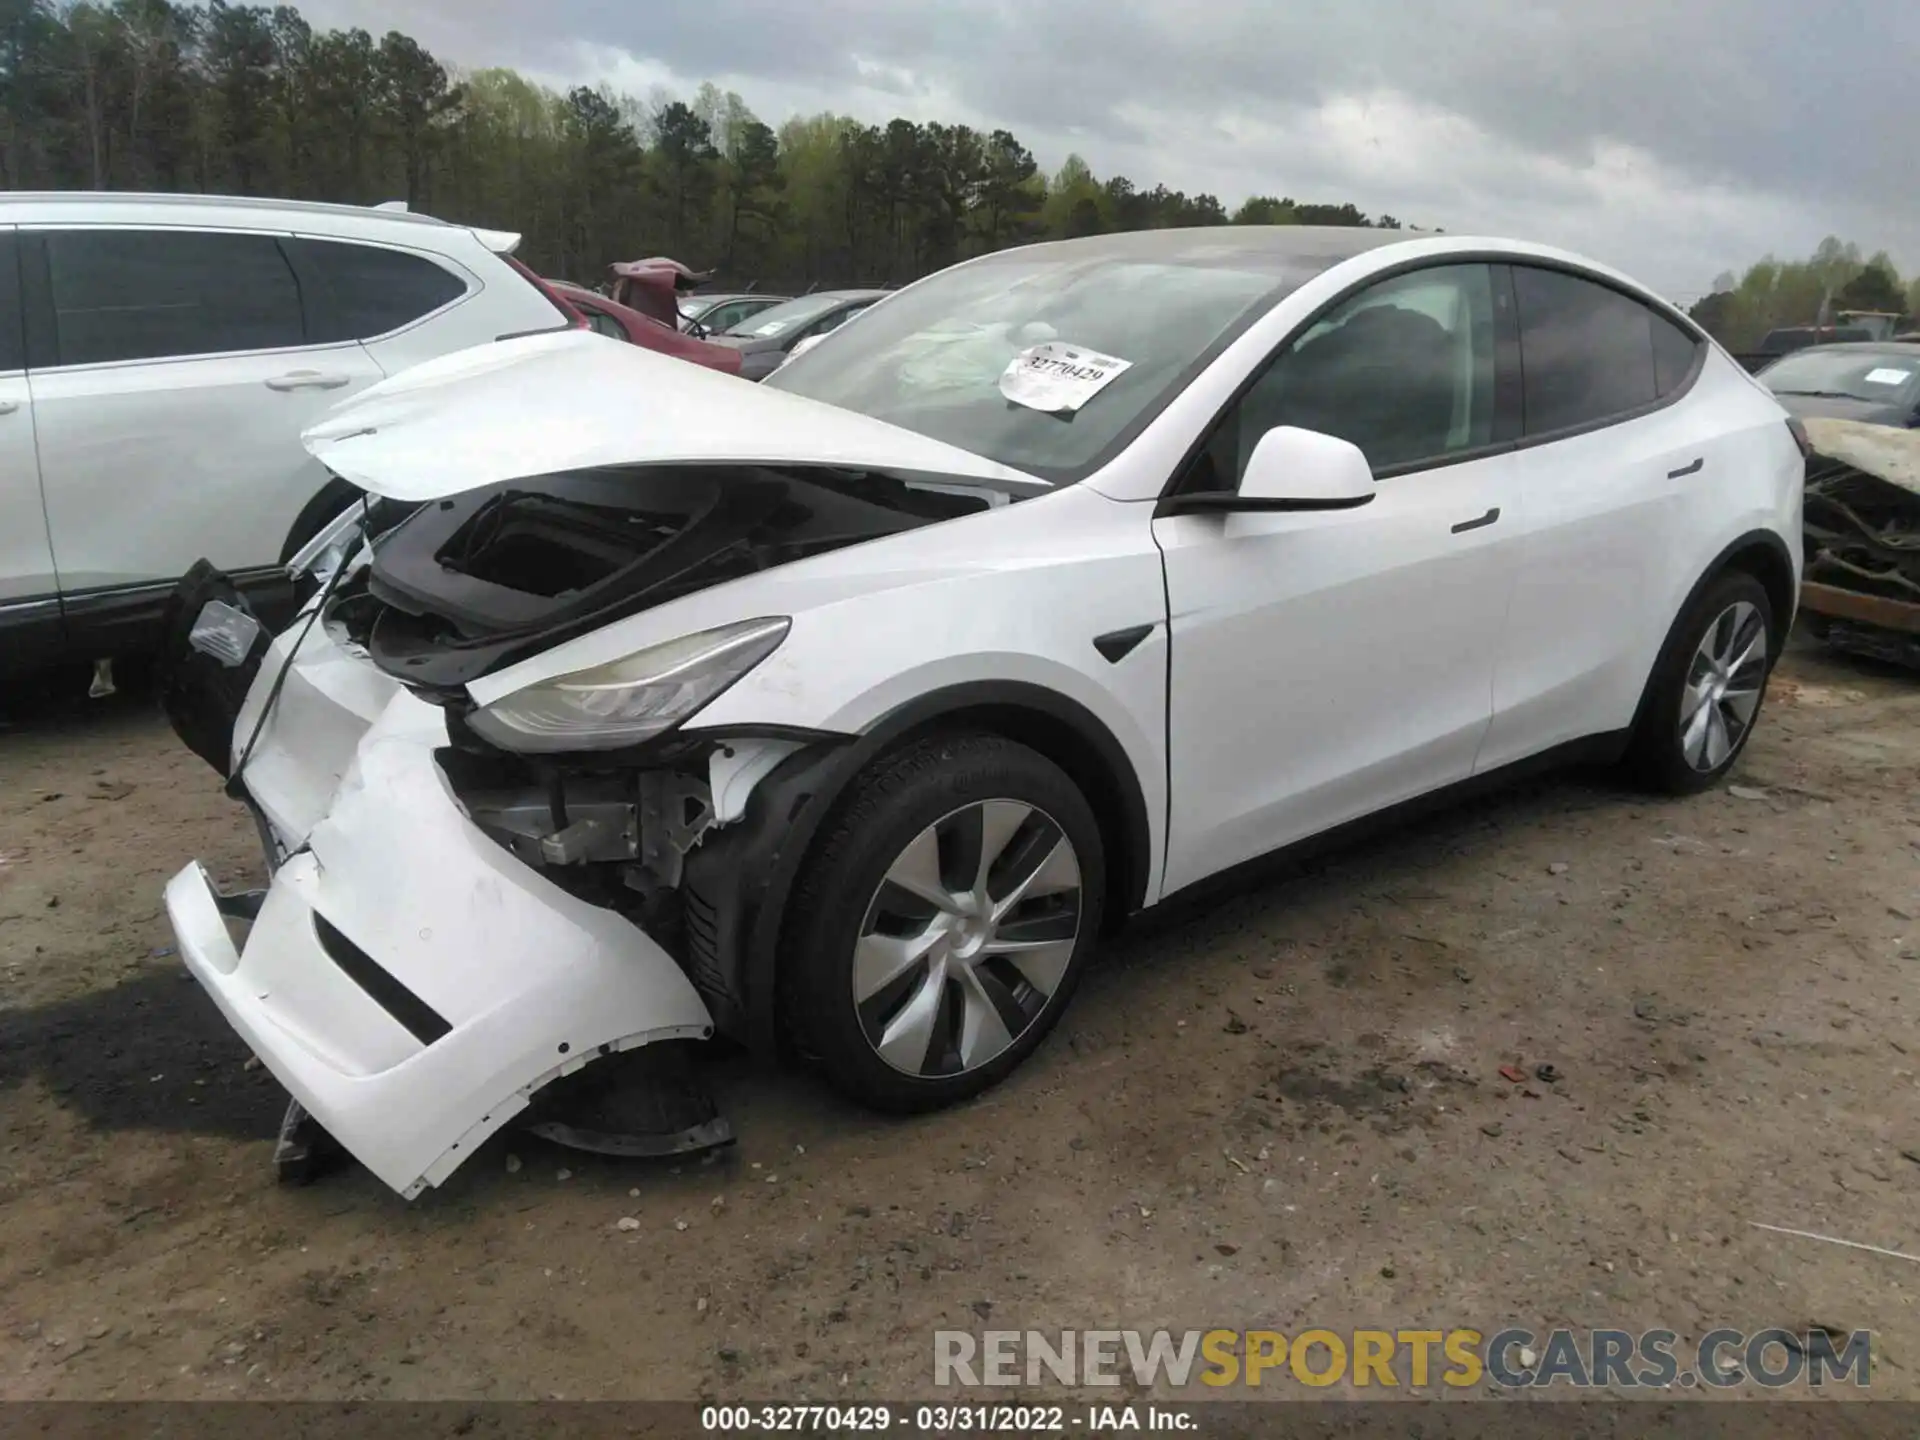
(840, 715)
(1862, 588)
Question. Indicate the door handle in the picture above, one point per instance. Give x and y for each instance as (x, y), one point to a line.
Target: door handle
(308, 380)
(7, 407)
(1699, 464)
(1480, 524)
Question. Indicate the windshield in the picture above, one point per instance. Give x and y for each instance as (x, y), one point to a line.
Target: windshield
(1885, 377)
(1126, 335)
(785, 318)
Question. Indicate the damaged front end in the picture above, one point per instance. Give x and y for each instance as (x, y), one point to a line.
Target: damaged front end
(470, 903)
(1861, 590)
(473, 900)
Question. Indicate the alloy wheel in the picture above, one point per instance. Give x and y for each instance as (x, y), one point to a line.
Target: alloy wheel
(1723, 687)
(967, 938)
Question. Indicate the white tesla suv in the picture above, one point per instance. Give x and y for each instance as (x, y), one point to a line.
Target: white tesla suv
(842, 714)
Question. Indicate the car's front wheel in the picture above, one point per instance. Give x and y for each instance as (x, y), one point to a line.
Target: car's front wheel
(942, 921)
(1705, 694)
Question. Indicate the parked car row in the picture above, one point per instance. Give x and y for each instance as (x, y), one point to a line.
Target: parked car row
(766, 339)
(842, 714)
(706, 313)
(620, 322)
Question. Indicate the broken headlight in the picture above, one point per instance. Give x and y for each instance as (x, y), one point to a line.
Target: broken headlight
(623, 703)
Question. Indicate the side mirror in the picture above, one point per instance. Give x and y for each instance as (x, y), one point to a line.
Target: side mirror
(1290, 470)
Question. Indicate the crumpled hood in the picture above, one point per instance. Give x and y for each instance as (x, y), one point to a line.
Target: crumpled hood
(573, 400)
(1886, 453)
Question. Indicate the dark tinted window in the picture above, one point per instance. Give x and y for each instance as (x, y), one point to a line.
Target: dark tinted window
(1673, 355)
(1587, 351)
(149, 294)
(365, 291)
(1405, 370)
(11, 336)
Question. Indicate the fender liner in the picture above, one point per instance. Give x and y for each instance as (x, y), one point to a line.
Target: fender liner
(1777, 552)
(737, 883)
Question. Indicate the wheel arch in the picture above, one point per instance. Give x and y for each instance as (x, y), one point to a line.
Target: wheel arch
(1759, 553)
(740, 880)
(1763, 555)
(1068, 734)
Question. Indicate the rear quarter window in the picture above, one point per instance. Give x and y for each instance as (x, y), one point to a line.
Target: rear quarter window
(1674, 354)
(357, 292)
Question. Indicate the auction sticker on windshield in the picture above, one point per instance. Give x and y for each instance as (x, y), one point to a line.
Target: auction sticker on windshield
(1058, 378)
(1888, 376)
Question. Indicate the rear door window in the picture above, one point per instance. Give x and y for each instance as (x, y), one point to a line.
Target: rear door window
(164, 294)
(358, 292)
(1591, 354)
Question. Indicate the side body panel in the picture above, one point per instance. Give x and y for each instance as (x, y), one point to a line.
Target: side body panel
(1620, 526)
(151, 465)
(1328, 665)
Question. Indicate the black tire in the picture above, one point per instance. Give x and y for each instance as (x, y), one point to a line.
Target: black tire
(1656, 756)
(901, 795)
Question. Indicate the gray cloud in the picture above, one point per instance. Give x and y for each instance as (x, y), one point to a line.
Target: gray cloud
(1726, 127)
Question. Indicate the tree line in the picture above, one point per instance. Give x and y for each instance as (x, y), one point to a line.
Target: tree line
(245, 99)
(1775, 293)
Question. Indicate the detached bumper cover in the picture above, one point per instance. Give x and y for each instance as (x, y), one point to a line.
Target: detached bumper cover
(410, 983)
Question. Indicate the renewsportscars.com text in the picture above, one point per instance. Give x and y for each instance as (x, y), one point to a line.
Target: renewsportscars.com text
(1458, 1358)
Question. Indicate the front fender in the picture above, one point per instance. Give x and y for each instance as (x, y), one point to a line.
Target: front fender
(738, 881)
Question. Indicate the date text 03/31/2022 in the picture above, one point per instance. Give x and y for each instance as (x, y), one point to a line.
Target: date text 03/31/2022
(946, 1419)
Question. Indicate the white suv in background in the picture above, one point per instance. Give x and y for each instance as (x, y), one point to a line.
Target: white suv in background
(159, 357)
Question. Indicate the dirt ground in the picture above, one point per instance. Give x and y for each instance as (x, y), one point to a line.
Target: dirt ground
(1280, 1110)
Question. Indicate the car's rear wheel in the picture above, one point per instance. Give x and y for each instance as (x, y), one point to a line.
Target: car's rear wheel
(1707, 687)
(941, 923)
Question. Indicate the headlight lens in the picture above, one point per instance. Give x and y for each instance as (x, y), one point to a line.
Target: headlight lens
(612, 706)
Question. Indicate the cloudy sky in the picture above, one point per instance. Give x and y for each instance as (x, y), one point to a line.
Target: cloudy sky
(1675, 140)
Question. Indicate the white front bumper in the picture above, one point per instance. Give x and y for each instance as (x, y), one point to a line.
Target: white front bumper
(514, 982)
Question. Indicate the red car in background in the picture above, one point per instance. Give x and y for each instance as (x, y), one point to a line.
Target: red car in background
(621, 322)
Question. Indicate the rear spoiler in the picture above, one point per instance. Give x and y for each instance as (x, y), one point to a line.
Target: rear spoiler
(500, 242)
